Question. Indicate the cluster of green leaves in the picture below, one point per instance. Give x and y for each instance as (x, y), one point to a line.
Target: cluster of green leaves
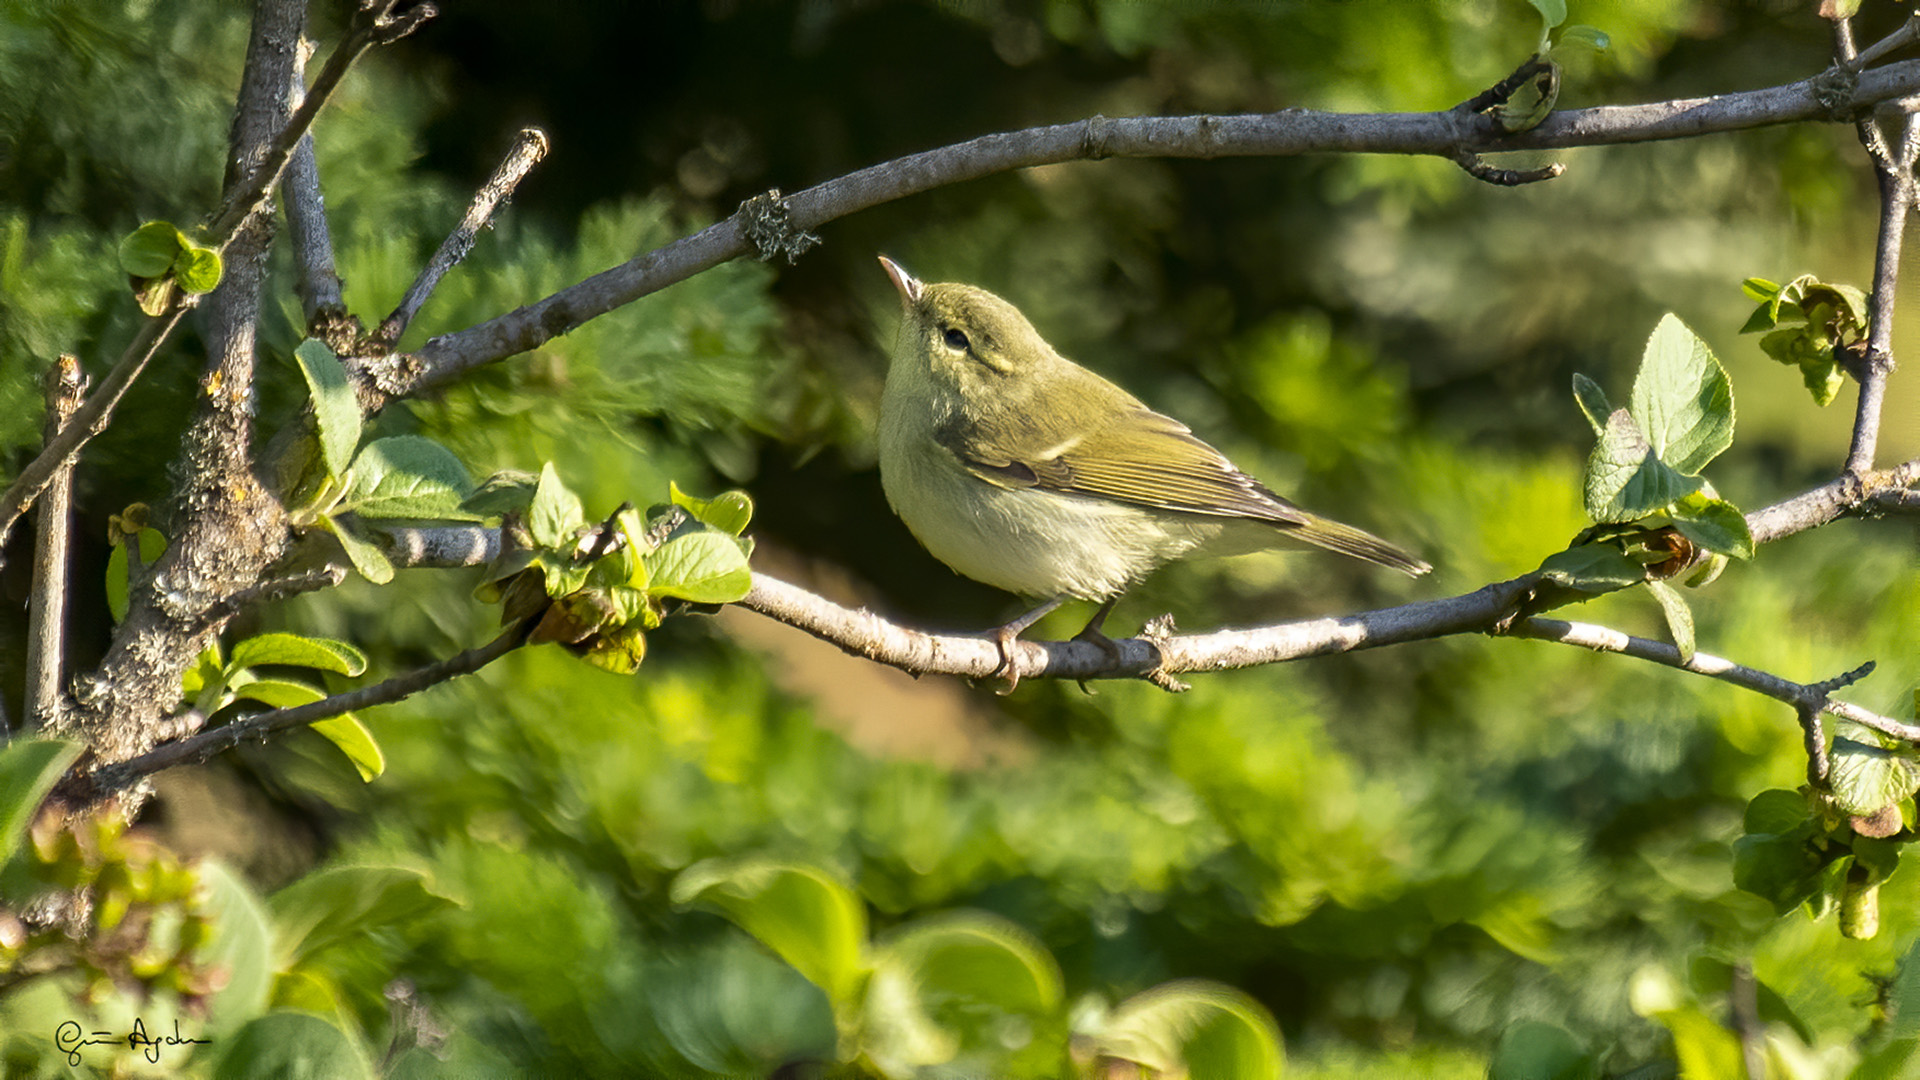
(160, 259)
(1655, 517)
(344, 484)
(971, 992)
(1809, 324)
(1831, 850)
(598, 593)
(182, 951)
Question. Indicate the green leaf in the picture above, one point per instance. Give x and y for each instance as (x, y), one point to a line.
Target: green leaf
(1626, 480)
(296, 650)
(810, 919)
(1195, 1027)
(28, 770)
(554, 513)
(1682, 399)
(152, 546)
(341, 903)
(336, 411)
(702, 567)
(368, 559)
(1532, 1050)
(1553, 11)
(154, 295)
(287, 1045)
(1866, 778)
(1823, 378)
(1704, 1046)
(354, 740)
(1775, 810)
(1679, 617)
(1714, 524)
(1757, 288)
(278, 693)
(507, 491)
(619, 651)
(1593, 568)
(1778, 867)
(198, 269)
(1581, 37)
(149, 251)
(1592, 401)
(243, 944)
(408, 477)
(729, 511)
(952, 984)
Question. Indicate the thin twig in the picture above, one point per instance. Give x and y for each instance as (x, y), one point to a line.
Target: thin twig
(1292, 132)
(89, 420)
(528, 148)
(1605, 639)
(1872, 368)
(52, 553)
(316, 278)
(203, 747)
(1898, 39)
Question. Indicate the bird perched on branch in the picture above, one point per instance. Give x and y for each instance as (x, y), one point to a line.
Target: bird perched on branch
(1019, 468)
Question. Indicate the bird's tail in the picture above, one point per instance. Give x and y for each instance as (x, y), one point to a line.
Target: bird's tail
(1347, 540)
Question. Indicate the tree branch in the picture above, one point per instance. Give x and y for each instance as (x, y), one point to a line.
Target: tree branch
(528, 148)
(82, 789)
(52, 555)
(316, 278)
(1292, 132)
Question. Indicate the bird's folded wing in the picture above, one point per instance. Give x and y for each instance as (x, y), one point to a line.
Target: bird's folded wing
(1142, 457)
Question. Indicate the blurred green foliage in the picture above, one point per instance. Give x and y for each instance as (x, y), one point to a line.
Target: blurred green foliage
(1422, 861)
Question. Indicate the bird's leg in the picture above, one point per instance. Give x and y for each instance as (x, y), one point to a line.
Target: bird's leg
(1004, 636)
(1091, 632)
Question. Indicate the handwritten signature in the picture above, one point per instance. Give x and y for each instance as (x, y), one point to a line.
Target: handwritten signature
(70, 1038)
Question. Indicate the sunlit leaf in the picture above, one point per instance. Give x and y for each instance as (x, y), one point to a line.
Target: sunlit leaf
(1682, 399)
(408, 477)
(198, 269)
(507, 491)
(152, 546)
(1201, 1028)
(1626, 480)
(1679, 617)
(242, 943)
(810, 919)
(354, 740)
(729, 511)
(1866, 778)
(336, 411)
(1593, 568)
(366, 557)
(555, 512)
(702, 567)
(149, 251)
(1713, 524)
(1592, 401)
(321, 654)
(953, 984)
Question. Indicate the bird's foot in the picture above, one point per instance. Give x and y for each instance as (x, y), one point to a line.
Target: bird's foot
(1005, 636)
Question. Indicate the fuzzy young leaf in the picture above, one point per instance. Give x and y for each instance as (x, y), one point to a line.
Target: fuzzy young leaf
(198, 269)
(1682, 399)
(1867, 777)
(555, 512)
(149, 251)
(152, 546)
(336, 411)
(704, 567)
(366, 557)
(322, 654)
(1679, 617)
(408, 477)
(1713, 524)
(729, 511)
(1626, 480)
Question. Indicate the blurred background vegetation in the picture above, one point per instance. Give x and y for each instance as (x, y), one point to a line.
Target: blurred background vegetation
(1402, 854)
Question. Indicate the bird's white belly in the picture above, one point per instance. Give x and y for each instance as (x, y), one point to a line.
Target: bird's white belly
(1027, 541)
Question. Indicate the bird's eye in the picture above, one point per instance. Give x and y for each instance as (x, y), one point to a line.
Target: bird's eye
(957, 340)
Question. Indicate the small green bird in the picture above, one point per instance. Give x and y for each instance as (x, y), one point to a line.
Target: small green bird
(1019, 468)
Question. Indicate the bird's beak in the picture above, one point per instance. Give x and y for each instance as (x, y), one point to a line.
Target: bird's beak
(910, 287)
